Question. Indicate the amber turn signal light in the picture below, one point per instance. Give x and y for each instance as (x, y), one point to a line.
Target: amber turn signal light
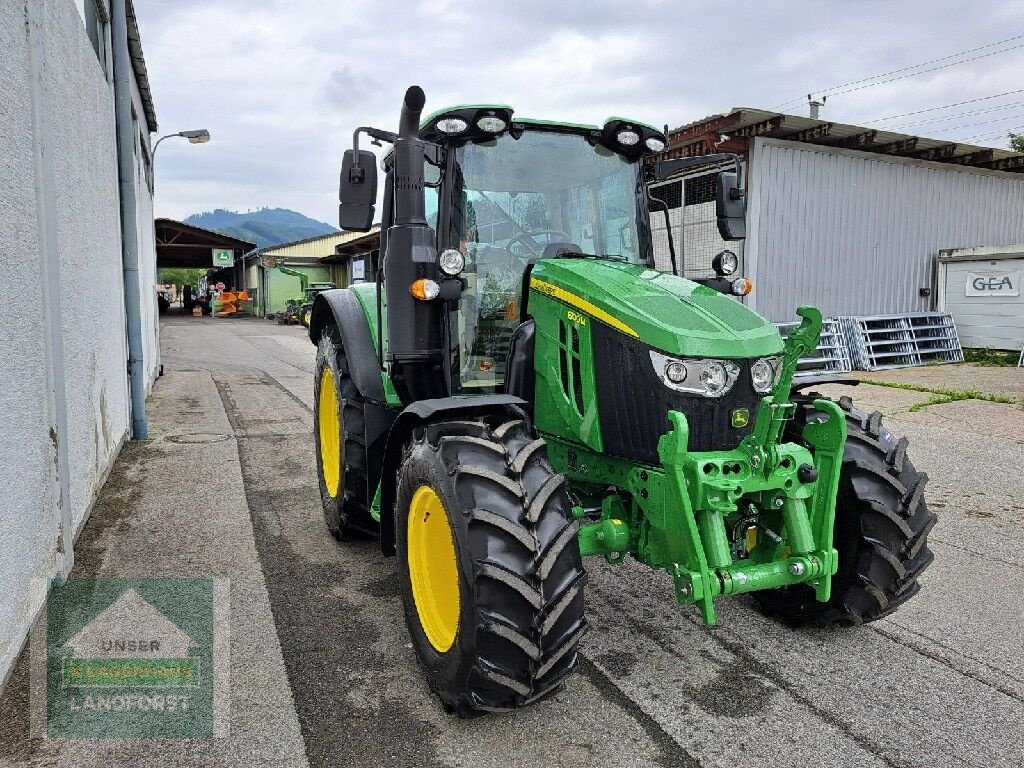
(424, 289)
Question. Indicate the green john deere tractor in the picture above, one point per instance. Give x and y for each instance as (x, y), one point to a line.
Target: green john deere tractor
(521, 388)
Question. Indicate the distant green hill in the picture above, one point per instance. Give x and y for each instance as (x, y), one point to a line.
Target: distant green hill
(265, 227)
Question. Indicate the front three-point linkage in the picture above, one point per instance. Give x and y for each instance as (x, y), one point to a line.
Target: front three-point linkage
(756, 517)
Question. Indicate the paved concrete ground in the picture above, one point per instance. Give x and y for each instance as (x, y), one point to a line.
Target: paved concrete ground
(941, 683)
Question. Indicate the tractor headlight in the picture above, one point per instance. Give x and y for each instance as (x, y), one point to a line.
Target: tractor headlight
(627, 138)
(451, 262)
(655, 144)
(451, 125)
(725, 263)
(714, 377)
(710, 378)
(491, 124)
(762, 375)
(675, 371)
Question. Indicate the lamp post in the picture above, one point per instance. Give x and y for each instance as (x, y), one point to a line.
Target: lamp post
(200, 136)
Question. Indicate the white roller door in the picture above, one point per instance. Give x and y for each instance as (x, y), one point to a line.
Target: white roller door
(981, 288)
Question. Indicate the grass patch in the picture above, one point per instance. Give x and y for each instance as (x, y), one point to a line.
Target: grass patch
(996, 357)
(941, 396)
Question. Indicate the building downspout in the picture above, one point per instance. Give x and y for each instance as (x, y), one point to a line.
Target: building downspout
(129, 216)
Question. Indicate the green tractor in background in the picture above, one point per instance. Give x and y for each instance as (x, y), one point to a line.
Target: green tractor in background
(521, 388)
(300, 308)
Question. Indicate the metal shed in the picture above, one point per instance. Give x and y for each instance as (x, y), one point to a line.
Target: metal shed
(981, 289)
(847, 218)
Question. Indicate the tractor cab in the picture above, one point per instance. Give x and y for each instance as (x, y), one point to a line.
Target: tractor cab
(485, 196)
(540, 191)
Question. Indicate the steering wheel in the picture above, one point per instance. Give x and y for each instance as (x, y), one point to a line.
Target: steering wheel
(526, 238)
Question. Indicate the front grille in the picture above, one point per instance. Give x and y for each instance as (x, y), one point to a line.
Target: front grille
(634, 402)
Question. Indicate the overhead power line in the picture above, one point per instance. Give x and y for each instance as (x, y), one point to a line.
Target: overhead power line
(983, 122)
(865, 82)
(926, 71)
(944, 106)
(954, 115)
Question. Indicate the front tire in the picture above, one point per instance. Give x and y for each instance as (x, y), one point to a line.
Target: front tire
(340, 442)
(881, 528)
(491, 573)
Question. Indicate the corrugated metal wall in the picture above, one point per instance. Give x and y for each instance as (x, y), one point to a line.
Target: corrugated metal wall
(857, 234)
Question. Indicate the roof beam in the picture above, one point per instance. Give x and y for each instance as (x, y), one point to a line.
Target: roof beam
(943, 152)
(809, 134)
(758, 129)
(901, 147)
(1006, 164)
(974, 158)
(856, 141)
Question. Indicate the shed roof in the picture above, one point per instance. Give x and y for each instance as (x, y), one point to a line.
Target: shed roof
(185, 245)
(318, 246)
(356, 246)
(744, 123)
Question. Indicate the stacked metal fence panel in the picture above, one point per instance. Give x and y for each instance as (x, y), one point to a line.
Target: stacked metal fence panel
(878, 342)
(831, 355)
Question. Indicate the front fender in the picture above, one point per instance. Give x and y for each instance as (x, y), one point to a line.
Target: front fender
(424, 412)
(340, 307)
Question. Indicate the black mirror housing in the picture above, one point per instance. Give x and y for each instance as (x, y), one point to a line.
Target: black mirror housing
(357, 191)
(731, 207)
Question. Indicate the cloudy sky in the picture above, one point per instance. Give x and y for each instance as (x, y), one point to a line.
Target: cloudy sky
(281, 84)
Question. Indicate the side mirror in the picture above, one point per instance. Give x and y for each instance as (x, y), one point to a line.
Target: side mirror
(731, 208)
(358, 191)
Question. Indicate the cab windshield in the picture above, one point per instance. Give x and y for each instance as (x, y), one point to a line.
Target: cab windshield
(517, 200)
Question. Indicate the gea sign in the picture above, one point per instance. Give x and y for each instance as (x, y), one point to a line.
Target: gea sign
(993, 284)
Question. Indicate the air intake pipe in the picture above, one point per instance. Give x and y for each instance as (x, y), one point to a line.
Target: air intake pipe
(409, 122)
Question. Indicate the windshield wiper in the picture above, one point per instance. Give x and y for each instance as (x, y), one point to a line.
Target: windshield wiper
(567, 254)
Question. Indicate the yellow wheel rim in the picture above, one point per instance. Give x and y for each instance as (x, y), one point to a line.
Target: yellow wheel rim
(432, 568)
(329, 421)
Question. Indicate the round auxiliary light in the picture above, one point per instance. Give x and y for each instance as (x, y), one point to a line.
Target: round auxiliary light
(655, 144)
(491, 124)
(714, 377)
(627, 138)
(424, 289)
(741, 286)
(675, 371)
(762, 375)
(451, 125)
(451, 262)
(725, 263)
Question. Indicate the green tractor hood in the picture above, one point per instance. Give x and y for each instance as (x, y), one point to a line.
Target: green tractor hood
(670, 313)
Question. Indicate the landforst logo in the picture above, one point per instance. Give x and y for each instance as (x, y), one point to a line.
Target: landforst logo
(131, 658)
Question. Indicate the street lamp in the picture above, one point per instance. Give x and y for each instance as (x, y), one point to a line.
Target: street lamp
(200, 136)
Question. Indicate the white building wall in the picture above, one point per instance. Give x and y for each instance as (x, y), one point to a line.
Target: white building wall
(856, 233)
(29, 518)
(60, 211)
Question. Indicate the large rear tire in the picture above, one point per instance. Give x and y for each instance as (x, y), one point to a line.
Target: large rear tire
(340, 442)
(491, 573)
(881, 528)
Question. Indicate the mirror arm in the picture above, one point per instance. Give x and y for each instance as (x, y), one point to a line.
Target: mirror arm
(357, 174)
(666, 168)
